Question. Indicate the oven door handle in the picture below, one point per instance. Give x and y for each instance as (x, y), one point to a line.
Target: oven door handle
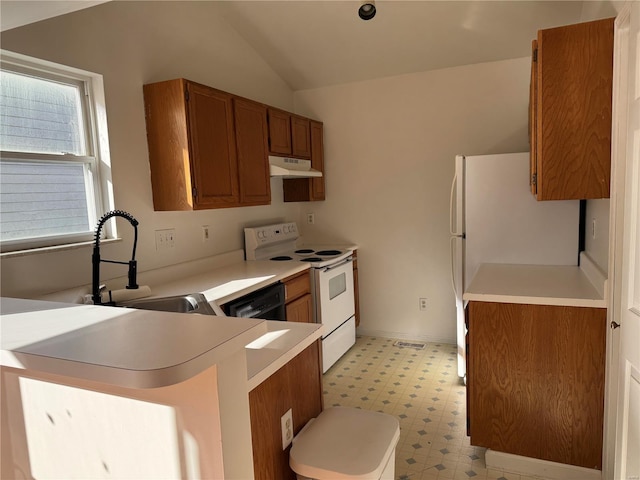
(344, 262)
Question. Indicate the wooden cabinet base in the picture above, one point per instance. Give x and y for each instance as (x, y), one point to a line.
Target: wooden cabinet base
(536, 381)
(296, 386)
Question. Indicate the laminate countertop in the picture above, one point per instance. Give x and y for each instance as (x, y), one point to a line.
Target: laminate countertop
(147, 349)
(118, 346)
(534, 284)
(224, 284)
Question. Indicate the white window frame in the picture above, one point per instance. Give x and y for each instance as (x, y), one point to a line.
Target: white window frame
(97, 162)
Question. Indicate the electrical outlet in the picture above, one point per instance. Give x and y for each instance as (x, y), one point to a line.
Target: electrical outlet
(310, 219)
(286, 422)
(206, 236)
(165, 239)
(423, 304)
(593, 228)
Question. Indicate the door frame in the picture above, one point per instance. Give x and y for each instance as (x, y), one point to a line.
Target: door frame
(621, 101)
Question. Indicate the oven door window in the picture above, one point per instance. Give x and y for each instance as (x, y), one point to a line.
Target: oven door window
(337, 285)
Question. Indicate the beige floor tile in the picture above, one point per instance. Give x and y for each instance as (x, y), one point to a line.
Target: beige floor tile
(422, 390)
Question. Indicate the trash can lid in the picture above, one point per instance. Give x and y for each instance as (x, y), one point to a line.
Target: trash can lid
(345, 443)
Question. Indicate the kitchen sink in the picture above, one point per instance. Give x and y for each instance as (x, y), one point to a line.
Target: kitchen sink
(190, 303)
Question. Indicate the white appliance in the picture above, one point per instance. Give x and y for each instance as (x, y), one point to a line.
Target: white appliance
(495, 219)
(331, 281)
(291, 168)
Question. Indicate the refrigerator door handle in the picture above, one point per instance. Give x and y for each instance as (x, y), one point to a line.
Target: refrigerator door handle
(452, 212)
(452, 243)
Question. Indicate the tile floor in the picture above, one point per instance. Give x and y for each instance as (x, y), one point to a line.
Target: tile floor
(422, 389)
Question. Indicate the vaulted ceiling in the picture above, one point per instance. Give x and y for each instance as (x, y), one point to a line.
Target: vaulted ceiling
(316, 43)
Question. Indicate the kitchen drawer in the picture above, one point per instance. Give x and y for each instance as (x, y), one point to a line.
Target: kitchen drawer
(297, 286)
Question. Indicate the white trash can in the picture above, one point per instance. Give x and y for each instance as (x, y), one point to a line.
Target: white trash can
(344, 443)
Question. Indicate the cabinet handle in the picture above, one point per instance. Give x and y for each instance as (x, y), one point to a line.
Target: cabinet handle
(614, 325)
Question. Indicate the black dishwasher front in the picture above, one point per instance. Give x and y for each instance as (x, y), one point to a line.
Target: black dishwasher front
(266, 303)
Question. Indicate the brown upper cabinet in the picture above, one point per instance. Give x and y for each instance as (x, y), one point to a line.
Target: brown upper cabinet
(289, 135)
(570, 111)
(309, 189)
(300, 137)
(207, 148)
(279, 132)
(253, 152)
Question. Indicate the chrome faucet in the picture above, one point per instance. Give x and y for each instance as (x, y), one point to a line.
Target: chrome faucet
(95, 258)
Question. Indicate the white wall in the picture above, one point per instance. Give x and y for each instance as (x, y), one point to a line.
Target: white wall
(597, 239)
(389, 153)
(133, 43)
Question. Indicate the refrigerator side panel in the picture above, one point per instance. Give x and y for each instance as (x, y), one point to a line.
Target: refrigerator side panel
(461, 329)
(505, 224)
(457, 258)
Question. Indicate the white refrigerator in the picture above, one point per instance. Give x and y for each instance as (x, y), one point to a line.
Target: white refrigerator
(496, 219)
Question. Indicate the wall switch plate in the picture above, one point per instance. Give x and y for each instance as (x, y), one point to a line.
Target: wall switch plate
(206, 234)
(165, 239)
(286, 422)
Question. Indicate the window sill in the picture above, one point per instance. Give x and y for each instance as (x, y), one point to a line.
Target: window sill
(55, 248)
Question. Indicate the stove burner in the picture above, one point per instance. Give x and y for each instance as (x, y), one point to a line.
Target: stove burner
(329, 253)
(281, 258)
(304, 251)
(311, 259)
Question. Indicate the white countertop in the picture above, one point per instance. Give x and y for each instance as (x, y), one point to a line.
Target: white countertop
(280, 345)
(534, 284)
(224, 284)
(283, 341)
(117, 346)
(146, 349)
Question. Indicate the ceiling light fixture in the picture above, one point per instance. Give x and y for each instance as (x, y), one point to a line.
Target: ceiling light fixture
(367, 10)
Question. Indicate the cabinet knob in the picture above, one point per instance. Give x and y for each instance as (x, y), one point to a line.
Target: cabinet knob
(614, 325)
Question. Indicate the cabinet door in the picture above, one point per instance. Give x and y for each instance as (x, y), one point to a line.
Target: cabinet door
(212, 145)
(300, 310)
(252, 149)
(297, 285)
(279, 132)
(575, 72)
(267, 403)
(305, 385)
(309, 189)
(300, 137)
(536, 381)
(296, 386)
(168, 140)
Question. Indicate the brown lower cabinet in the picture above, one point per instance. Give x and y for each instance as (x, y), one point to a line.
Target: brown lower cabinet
(535, 380)
(299, 302)
(297, 385)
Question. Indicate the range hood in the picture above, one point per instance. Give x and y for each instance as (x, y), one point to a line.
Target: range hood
(291, 168)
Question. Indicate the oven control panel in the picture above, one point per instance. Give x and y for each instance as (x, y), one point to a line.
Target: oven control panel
(260, 237)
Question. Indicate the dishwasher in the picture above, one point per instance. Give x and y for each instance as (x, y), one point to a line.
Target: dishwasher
(266, 303)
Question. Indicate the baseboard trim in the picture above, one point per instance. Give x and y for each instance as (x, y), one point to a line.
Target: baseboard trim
(403, 336)
(541, 468)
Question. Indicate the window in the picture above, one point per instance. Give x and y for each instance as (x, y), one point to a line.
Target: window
(54, 173)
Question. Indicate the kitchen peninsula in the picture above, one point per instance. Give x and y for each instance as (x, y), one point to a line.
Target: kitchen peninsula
(134, 393)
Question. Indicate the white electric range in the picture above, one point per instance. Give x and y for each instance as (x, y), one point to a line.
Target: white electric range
(331, 281)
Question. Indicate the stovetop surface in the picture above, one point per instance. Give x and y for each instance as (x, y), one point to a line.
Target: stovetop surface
(320, 256)
(282, 243)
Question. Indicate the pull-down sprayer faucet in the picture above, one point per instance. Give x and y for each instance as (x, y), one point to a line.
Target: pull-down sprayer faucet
(95, 258)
